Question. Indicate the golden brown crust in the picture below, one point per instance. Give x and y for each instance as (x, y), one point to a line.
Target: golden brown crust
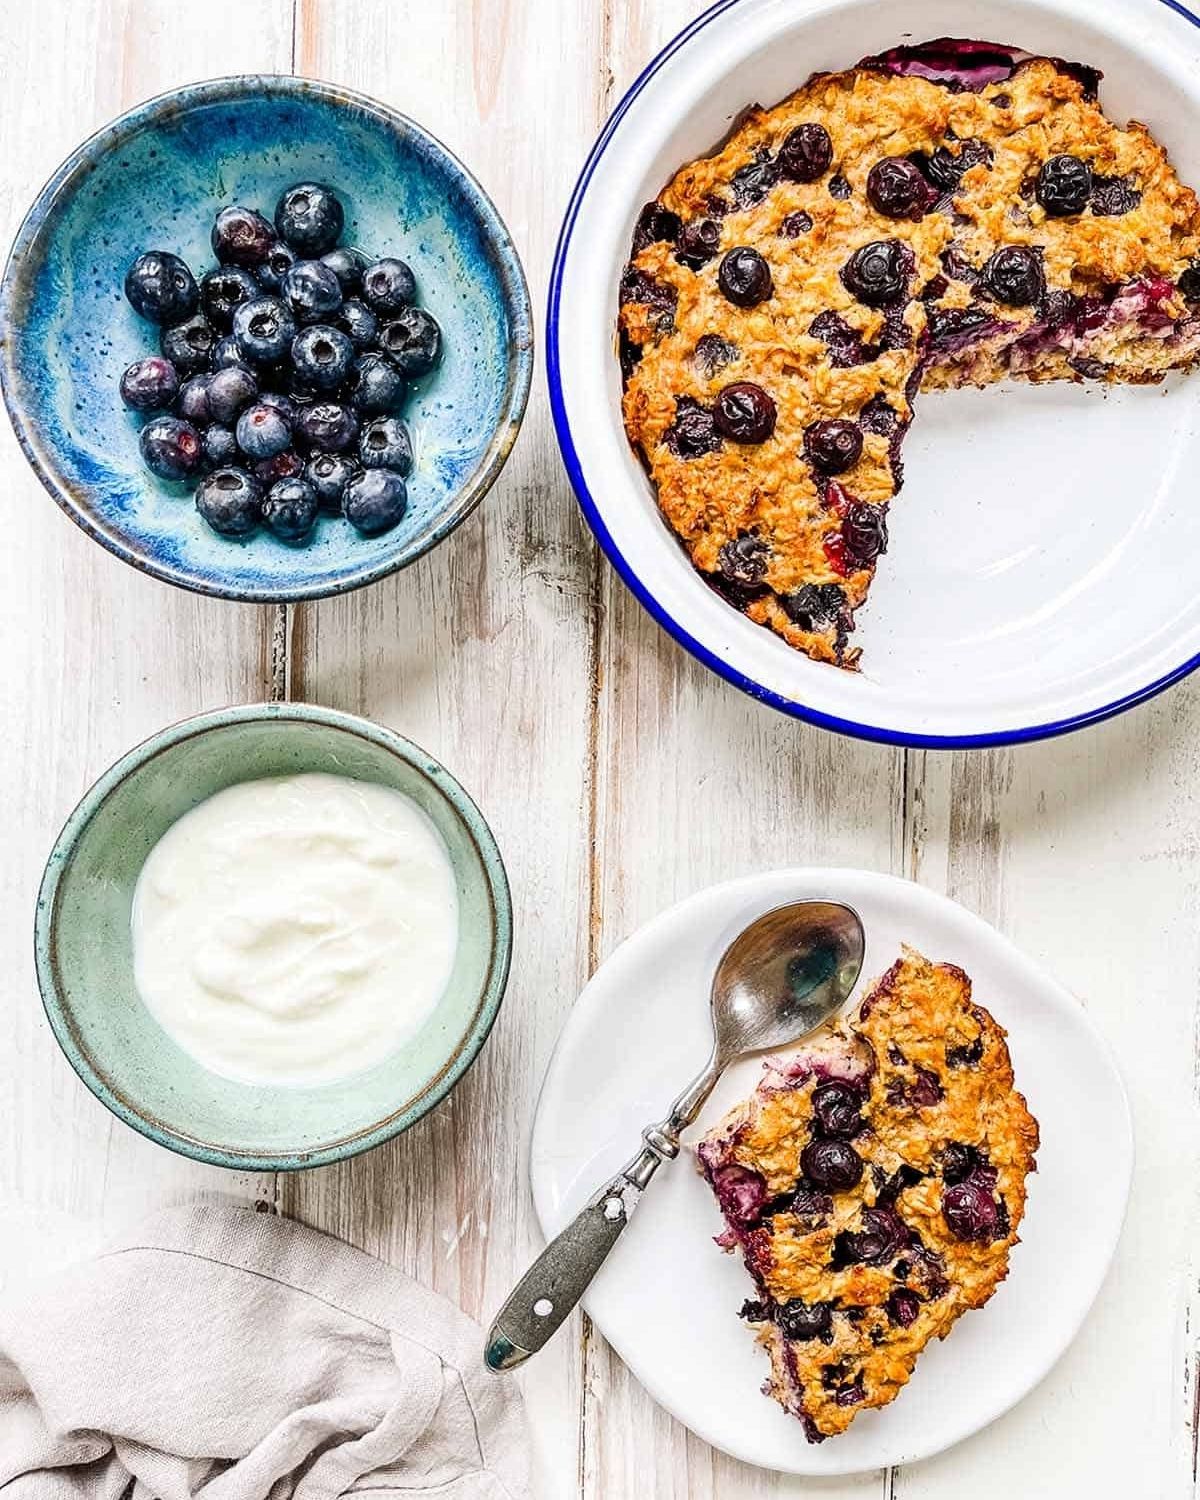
(938, 1110)
(769, 490)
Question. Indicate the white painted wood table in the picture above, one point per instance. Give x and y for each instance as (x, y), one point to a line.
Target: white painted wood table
(617, 774)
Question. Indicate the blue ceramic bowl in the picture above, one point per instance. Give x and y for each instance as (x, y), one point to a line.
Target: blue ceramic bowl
(153, 179)
(83, 944)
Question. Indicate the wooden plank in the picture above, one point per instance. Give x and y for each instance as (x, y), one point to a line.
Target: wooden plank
(96, 657)
(481, 653)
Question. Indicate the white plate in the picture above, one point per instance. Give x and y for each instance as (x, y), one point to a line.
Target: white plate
(668, 1298)
(1031, 585)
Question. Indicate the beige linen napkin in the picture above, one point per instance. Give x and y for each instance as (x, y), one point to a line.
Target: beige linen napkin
(233, 1355)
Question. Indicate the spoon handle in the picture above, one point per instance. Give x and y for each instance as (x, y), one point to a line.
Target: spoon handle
(544, 1297)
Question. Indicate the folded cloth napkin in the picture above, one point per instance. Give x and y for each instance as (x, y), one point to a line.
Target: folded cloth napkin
(234, 1355)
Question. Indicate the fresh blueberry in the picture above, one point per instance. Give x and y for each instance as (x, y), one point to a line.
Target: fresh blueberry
(290, 509)
(285, 465)
(312, 291)
(375, 501)
(806, 153)
(223, 291)
(193, 401)
(170, 447)
(189, 345)
(1064, 186)
(814, 606)
(864, 533)
(280, 260)
(230, 501)
(970, 1212)
(309, 218)
(744, 413)
(284, 405)
(697, 243)
(878, 273)
(229, 391)
(262, 431)
(160, 287)
(327, 426)
(837, 1109)
(322, 356)
(264, 329)
(227, 351)
(743, 559)
(358, 323)
(412, 341)
(219, 445)
(744, 277)
(802, 1321)
(150, 384)
(378, 386)
(241, 237)
(347, 264)
(385, 444)
(1014, 275)
(833, 446)
(896, 188)
(329, 474)
(831, 1164)
(387, 286)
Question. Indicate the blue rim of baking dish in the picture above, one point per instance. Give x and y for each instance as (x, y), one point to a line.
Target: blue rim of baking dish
(875, 732)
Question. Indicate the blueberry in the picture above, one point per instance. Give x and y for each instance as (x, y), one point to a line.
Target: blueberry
(378, 385)
(1189, 282)
(170, 448)
(223, 291)
(970, 1212)
(265, 329)
(193, 404)
(792, 226)
(327, 426)
(309, 218)
(713, 353)
(1064, 186)
(896, 188)
(322, 356)
(744, 277)
(1014, 276)
(219, 446)
(160, 287)
(280, 260)
(806, 153)
(230, 501)
(801, 1321)
(839, 187)
(878, 273)
(150, 384)
(227, 351)
(833, 446)
(836, 1109)
(375, 501)
(262, 432)
(751, 183)
(698, 241)
(693, 432)
(845, 344)
(358, 322)
(1113, 196)
(311, 291)
(743, 559)
(241, 237)
(189, 345)
(882, 1235)
(385, 444)
(285, 465)
(903, 1307)
(944, 169)
(290, 509)
(284, 405)
(744, 413)
(387, 286)
(329, 474)
(229, 390)
(412, 341)
(968, 1055)
(814, 606)
(347, 264)
(654, 224)
(831, 1164)
(864, 533)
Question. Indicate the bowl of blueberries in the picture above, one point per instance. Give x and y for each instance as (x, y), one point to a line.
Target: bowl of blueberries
(265, 339)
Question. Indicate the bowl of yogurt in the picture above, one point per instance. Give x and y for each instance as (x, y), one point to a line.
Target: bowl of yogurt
(273, 936)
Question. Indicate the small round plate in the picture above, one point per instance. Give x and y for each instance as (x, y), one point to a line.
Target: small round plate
(668, 1298)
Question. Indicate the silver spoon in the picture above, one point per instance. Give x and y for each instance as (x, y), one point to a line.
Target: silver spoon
(779, 979)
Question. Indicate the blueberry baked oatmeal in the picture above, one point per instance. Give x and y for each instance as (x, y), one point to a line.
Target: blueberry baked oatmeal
(874, 1184)
(950, 214)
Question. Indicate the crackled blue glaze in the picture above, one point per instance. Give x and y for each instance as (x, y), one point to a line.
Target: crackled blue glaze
(153, 180)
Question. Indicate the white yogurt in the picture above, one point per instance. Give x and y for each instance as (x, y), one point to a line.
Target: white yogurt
(297, 929)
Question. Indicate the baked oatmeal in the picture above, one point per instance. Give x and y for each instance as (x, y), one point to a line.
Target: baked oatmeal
(874, 1184)
(950, 214)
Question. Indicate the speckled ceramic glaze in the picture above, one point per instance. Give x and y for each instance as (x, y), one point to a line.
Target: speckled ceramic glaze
(153, 180)
(84, 949)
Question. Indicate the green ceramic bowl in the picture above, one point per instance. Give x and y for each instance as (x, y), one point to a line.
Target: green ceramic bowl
(84, 959)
